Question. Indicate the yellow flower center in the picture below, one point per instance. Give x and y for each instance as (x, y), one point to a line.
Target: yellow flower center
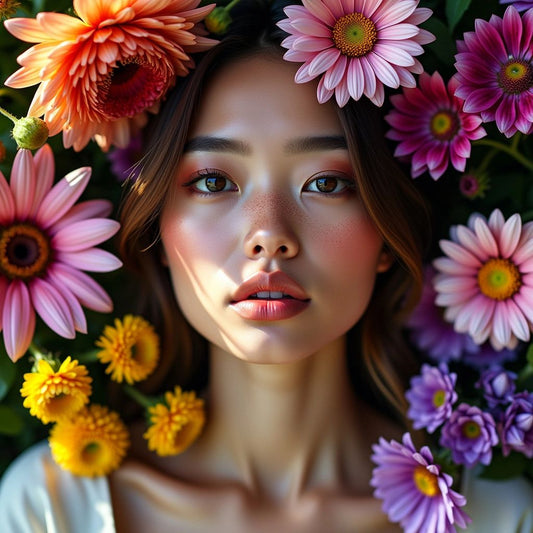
(444, 125)
(515, 76)
(471, 430)
(439, 397)
(499, 279)
(354, 35)
(24, 251)
(425, 481)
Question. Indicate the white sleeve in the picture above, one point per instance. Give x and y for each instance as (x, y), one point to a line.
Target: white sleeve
(499, 506)
(37, 496)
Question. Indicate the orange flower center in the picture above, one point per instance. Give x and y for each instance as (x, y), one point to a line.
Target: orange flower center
(499, 279)
(444, 125)
(516, 76)
(130, 88)
(425, 481)
(354, 35)
(24, 251)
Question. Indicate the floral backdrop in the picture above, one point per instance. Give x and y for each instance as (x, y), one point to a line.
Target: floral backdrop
(462, 133)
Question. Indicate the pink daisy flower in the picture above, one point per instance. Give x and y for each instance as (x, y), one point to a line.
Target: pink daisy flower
(356, 46)
(431, 126)
(485, 282)
(45, 243)
(495, 73)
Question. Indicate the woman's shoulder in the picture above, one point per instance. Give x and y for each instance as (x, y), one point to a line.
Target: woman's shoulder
(36, 495)
(502, 505)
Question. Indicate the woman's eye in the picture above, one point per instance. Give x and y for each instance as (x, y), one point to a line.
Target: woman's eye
(211, 182)
(328, 185)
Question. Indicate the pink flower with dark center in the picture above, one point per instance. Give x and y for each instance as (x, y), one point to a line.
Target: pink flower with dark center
(45, 243)
(431, 126)
(356, 46)
(495, 73)
(485, 281)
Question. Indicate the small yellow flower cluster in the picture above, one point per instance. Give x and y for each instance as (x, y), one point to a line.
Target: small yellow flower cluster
(131, 348)
(176, 423)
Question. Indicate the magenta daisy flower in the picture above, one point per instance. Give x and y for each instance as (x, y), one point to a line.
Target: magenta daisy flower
(356, 46)
(518, 4)
(415, 492)
(495, 72)
(45, 243)
(431, 126)
(485, 282)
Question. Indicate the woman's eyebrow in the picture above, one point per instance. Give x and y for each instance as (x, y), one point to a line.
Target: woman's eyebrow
(217, 144)
(316, 143)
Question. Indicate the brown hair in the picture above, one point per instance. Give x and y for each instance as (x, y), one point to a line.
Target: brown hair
(391, 199)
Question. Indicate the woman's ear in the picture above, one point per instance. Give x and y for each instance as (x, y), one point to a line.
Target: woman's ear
(385, 259)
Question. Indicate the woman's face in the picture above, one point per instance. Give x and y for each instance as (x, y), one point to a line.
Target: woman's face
(270, 250)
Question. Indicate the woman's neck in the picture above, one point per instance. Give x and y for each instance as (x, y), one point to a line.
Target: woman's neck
(281, 429)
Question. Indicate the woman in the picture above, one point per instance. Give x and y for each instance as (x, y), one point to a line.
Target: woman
(281, 248)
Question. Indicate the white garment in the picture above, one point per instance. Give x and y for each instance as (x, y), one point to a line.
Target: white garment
(37, 496)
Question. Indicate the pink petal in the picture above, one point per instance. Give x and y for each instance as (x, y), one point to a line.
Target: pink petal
(62, 196)
(84, 234)
(341, 94)
(23, 183)
(45, 170)
(449, 266)
(384, 70)
(335, 74)
(470, 241)
(82, 211)
(517, 320)
(312, 44)
(320, 10)
(4, 284)
(323, 61)
(18, 320)
(480, 99)
(501, 326)
(92, 260)
(356, 79)
(323, 94)
(87, 291)
(311, 27)
(78, 316)
(459, 253)
(510, 235)
(394, 55)
(486, 238)
(52, 308)
(7, 202)
(512, 31)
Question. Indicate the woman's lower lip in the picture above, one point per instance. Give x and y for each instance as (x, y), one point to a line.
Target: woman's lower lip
(269, 310)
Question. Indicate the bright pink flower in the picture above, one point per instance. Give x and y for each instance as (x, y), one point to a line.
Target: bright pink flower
(357, 46)
(495, 72)
(432, 127)
(486, 279)
(45, 243)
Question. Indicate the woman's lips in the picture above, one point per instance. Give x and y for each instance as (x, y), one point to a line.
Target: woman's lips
(268, 296)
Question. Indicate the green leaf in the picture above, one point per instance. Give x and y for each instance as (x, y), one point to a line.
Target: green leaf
(444, 45)
(7, 375)
(455, 9)
(11, 422)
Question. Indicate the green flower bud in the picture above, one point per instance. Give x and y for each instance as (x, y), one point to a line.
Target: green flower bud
(30, 132)
(218, 20)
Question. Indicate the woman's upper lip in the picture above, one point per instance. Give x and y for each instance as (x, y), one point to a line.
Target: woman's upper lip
(276, 281)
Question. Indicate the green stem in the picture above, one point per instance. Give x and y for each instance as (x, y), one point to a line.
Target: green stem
(229, 6)
(139, 397)
(7, 114)
(508, 149)
(87, 357)
(486, 160)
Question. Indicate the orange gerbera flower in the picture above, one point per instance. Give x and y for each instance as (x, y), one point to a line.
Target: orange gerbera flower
(100, 73)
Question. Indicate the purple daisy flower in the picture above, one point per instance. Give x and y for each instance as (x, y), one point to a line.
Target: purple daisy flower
(431, 397)
(498, 386)
(431, 126)
(517, 425)
(414, 491)
(431, 333)
(470, 434)
(520, 5)
(495, 73)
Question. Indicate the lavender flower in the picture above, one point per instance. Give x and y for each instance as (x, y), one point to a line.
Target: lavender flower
(414, 491)
(124, 161)
(516, 429)
(498, 386)
(431, 397)
(520, 5)
(470, 434)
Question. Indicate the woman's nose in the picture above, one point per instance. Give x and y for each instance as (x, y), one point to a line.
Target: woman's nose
(270, 233)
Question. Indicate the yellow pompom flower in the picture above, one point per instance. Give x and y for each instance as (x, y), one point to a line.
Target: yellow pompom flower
(92, 443)
(52, 395)
(175, 424)
(131, 348)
